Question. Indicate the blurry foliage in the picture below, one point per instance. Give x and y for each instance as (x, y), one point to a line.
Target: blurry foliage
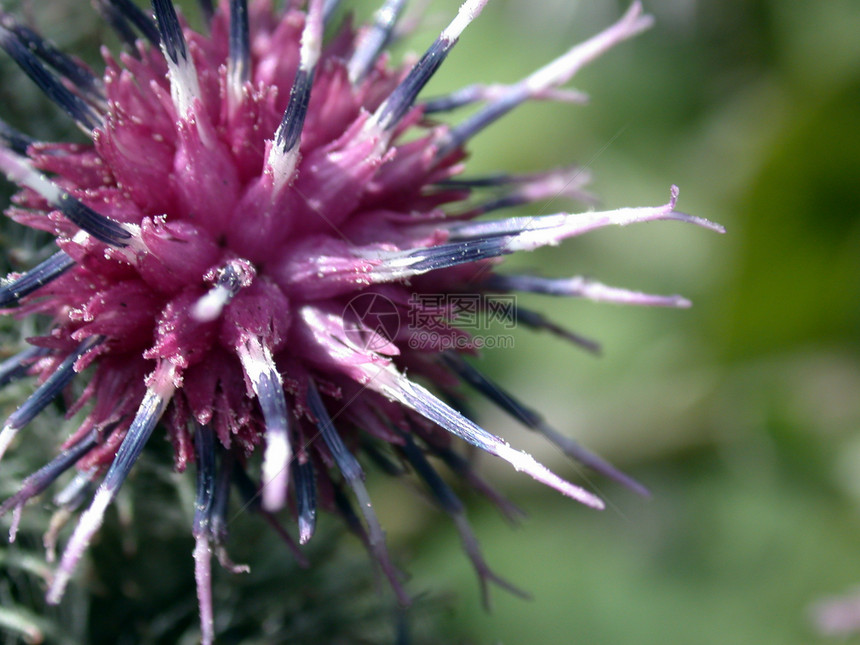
(741, 414)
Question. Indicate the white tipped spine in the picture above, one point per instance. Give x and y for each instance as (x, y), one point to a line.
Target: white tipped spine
(379, 375)
(468, 11)
(210, 305)
(563, 68)
(6, 436)
(149, 412)
(87, 527)
(20, 171)
(395, 386)
(184, 86)
(282, 163)
(260, 368)
(203, 578)
(276, 462)
(383, 118)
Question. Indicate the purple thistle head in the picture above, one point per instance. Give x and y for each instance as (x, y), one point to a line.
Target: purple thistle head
(259, 213)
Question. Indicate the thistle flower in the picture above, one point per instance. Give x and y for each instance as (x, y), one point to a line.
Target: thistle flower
(256, 207)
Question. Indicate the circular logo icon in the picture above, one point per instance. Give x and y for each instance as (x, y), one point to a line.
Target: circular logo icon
(371, 321)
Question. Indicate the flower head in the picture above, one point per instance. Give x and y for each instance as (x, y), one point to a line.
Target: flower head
(257, 214)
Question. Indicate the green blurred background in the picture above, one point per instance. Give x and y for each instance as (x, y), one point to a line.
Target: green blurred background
(742, 414)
